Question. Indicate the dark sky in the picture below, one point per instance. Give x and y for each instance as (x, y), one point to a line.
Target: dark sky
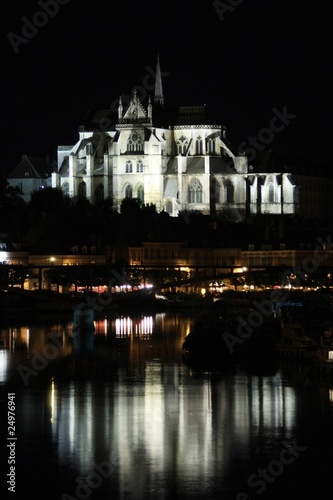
(255, 57)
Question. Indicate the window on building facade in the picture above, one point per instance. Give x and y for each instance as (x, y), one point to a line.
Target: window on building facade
(82, 190)
(211, 146)
(139, 166)
(215, 191)
(229, 188)
(195, 191)
(129, 167)
(198, 146)
(99, 193)
(135, 142)
(182, 145)
(65, 189)
(140, 193)
(271, 193)
(128, 191)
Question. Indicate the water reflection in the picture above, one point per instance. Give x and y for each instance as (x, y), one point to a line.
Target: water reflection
(26, 338)
(140, 327)
(4, 355)
(167, 431)
(163, 423)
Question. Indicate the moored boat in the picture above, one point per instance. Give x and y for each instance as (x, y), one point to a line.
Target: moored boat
(205, 345)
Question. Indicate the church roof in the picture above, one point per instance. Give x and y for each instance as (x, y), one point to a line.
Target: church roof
(196, 165)
(190, 115)
(35, 168)
(219, 165)
(98, 141)
(64, 167)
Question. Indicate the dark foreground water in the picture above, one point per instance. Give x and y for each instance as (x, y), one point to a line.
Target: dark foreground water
(132, 421)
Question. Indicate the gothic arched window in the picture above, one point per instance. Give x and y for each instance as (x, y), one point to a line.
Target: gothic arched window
(139, 166)
(195, 191)
(182, 146)
(65, 188)
(129, 167)
(215, 191)
(135, 142)
(99, 193)
(229, 188)
(140, 193)
(198, 146)
(211, 146)
(128, 191)
(82, 190)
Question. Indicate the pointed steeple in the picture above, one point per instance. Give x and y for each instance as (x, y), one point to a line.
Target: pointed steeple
(158, 96)
(120, 109)
(150, 110)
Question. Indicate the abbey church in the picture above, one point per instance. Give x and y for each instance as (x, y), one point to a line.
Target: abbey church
(172, 158)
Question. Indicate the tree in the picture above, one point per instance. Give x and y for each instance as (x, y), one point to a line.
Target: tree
(47, 200)
(12, 275)
(130, 207)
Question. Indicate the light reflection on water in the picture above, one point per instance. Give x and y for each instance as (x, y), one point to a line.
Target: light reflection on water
(168, 432)
(164, 422)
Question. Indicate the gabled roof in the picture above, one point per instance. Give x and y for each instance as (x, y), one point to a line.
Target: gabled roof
(98, 140)
(34, 168)
(135, 111)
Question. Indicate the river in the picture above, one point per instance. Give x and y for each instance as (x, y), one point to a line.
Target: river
(130, 420)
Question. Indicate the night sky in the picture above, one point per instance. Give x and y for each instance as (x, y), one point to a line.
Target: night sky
(242, 61)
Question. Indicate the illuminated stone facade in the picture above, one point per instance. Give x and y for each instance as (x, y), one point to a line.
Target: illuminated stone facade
(176, 160)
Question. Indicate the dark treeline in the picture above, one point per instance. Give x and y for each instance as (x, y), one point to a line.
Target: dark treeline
(54, 223)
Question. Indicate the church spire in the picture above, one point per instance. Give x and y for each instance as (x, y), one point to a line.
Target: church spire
(158, 97)
(120, 109)
(150, 110)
